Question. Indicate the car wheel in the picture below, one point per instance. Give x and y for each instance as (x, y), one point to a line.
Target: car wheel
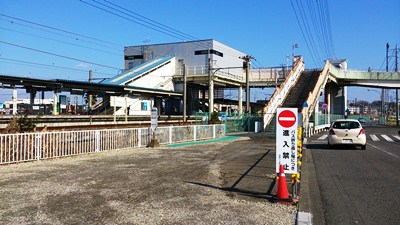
(363, 147)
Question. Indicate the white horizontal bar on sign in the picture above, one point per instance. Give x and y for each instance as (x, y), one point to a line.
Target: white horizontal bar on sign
(287, 118)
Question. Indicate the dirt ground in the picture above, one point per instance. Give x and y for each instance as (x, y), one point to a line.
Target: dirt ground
(220, 183)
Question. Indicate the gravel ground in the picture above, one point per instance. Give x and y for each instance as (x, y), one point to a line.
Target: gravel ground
(182, 185)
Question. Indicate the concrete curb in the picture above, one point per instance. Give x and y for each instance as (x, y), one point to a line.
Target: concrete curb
(310, 207)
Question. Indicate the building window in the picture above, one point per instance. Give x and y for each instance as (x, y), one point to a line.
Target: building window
(205, 52)
(144, 106)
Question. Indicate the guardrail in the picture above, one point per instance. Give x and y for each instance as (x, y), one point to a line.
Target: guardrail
(26, 147)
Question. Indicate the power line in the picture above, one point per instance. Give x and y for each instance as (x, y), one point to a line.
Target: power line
(64, 42)
(150, 24)
(61, 30)
(301, 29)
(41, 65)
(308, 31)
(328, 29)
(58, 34)
(156, 24)
(124, 17)
(58, 55)
(315, 26)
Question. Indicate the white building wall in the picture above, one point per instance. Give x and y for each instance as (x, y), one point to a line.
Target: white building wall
(159, 79)
(186, 51)
(134, 105)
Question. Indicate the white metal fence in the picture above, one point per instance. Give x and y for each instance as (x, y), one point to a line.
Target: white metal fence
(45, 145)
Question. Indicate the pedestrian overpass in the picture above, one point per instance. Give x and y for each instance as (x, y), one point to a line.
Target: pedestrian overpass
(302, 89)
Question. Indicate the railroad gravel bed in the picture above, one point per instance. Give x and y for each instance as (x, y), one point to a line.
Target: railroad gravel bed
(182, 185)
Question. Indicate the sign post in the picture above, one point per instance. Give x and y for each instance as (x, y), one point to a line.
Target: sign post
(154, 119)
(286, 139)
(153, 126)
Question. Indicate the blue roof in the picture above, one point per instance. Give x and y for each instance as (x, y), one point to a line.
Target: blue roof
(131, 74)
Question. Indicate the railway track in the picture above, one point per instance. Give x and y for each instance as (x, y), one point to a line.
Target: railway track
(74, 122)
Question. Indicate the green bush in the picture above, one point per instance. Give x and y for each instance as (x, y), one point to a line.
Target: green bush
(20, 124)
(214, 118)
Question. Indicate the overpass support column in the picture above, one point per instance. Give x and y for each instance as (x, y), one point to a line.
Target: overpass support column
(42, 101)
(240, 99)
(157, 104)
(32, 94)
(328, 101)
(203, 93)
(15, 98)
(55, 102)
(211, 97)
(337, 99)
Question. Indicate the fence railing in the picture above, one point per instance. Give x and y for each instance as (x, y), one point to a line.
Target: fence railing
(46, 145)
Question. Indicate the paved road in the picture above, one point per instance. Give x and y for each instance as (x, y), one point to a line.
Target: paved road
(359, 186)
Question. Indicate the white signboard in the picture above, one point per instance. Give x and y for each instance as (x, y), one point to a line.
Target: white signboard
(286, 139)
(154, 118)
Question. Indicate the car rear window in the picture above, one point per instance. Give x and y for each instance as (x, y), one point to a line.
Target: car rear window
(346, 125)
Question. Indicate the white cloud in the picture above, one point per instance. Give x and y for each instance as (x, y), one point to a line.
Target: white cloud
(82, 65)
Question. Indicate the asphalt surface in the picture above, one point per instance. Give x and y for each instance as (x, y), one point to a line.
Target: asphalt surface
(227, 182)
(356, 186)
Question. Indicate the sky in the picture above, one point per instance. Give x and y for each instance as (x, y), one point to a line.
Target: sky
(63, 39)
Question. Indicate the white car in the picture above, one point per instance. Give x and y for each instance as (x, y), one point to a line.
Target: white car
(347, 132)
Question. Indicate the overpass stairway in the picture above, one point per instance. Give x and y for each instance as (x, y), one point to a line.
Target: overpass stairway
(299, 92)
(297, 95)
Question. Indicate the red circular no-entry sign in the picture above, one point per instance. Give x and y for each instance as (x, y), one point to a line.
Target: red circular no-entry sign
(286, 118)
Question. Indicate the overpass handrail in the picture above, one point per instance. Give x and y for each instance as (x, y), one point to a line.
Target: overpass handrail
(365, 75)
(312, 99)
(282, 91)
(203, 70)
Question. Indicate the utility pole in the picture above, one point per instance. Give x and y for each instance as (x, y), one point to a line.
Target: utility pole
(246, 66)
(396, 69)
(210, 86)
(383, 90)
(90, 97)
(184, 92)
(387, 57)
